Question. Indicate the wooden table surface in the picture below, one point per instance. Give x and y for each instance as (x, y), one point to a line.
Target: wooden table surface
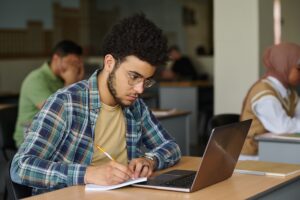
(239, 186)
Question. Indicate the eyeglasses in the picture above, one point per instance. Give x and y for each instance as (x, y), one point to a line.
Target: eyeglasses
(134, 79)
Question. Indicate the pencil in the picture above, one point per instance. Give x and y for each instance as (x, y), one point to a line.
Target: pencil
(105, 153)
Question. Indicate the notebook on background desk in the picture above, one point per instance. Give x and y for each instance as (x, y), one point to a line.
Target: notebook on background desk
(266, 168)
(218, 162)
(284, 136)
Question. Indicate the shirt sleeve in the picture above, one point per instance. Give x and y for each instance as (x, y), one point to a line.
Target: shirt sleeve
(274, 118)
(33, 164)
(159, 141)
(297, 112)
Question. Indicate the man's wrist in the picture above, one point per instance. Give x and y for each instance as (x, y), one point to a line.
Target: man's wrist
(87, 174)
(152, 158)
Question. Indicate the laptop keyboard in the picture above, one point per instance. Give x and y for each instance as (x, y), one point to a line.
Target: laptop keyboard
(184, 182)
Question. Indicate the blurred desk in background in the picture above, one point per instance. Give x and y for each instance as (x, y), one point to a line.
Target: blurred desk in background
(5, 105)
(9, 98)
(193, 96)
(177, 123)
(279, 148)
(198, 83)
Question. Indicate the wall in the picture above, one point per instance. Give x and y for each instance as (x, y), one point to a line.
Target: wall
(199, 33)
(266, 29)
(236, 58)
(166, 14)
(29, 10)
(205, 64)
(13, 72)
(290, 21)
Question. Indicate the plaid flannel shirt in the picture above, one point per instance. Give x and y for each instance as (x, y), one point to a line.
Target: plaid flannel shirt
(58, 145)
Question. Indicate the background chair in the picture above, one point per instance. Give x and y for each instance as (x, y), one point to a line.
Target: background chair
(14, 190)
(205, 112)
(8, 117)
(220, 120)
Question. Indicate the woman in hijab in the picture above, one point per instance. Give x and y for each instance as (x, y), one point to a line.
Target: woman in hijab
(272, 102)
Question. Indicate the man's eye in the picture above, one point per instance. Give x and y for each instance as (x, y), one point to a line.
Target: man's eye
(134, 76)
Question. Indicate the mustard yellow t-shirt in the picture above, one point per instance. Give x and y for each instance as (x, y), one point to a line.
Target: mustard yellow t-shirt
(110, 134)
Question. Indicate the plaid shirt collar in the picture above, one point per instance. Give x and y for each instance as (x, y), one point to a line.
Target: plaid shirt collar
(94, 95)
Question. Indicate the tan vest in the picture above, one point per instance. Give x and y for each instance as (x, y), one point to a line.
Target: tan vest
(259, 90)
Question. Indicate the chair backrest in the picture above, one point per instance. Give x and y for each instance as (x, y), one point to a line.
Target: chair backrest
(8, 118)
(15, 190)
(222, 119)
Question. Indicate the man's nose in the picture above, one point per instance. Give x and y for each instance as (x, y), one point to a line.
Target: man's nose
(139, 88)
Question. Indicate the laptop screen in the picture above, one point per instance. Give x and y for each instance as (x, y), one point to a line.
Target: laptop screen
(221, 153)
(218, 161)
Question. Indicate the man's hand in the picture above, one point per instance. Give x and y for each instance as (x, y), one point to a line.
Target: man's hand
(107, 174)
(142, 167)
(72, 73)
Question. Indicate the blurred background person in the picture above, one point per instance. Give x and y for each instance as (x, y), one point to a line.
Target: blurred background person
(65, 67)
(272, 102)
(181, 68)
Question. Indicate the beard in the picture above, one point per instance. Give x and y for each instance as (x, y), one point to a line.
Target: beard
(111, 87)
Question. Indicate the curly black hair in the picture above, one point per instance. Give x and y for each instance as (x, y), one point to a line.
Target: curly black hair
(138, 36)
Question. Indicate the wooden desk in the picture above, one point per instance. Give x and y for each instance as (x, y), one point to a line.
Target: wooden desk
(177, 123)
(183, 95)
(9, 97)
(278, 149)
(239, 186)
(198, 83)
(5, 105)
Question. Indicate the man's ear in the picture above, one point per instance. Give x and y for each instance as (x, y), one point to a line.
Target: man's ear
(109, 63)
(54, 58)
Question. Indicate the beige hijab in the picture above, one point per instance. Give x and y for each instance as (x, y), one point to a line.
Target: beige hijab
(279, 60)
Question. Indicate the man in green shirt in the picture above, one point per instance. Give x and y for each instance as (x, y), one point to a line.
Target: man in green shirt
(64, 68)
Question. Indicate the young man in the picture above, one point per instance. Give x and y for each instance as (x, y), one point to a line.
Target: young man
(64, 68)
(60, 149)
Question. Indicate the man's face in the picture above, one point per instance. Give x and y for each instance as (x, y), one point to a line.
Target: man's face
(70, 67)
(126, 81)
(174, 55)
(70, 62)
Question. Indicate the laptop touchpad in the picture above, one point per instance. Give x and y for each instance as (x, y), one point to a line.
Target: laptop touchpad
(169, 176)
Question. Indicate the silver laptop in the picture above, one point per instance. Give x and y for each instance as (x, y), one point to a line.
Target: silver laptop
(218, 162)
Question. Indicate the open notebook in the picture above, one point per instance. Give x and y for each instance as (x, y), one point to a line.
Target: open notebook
(160, 113)
(93, 187)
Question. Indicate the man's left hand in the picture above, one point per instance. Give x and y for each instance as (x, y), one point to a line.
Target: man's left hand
(142, 167)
